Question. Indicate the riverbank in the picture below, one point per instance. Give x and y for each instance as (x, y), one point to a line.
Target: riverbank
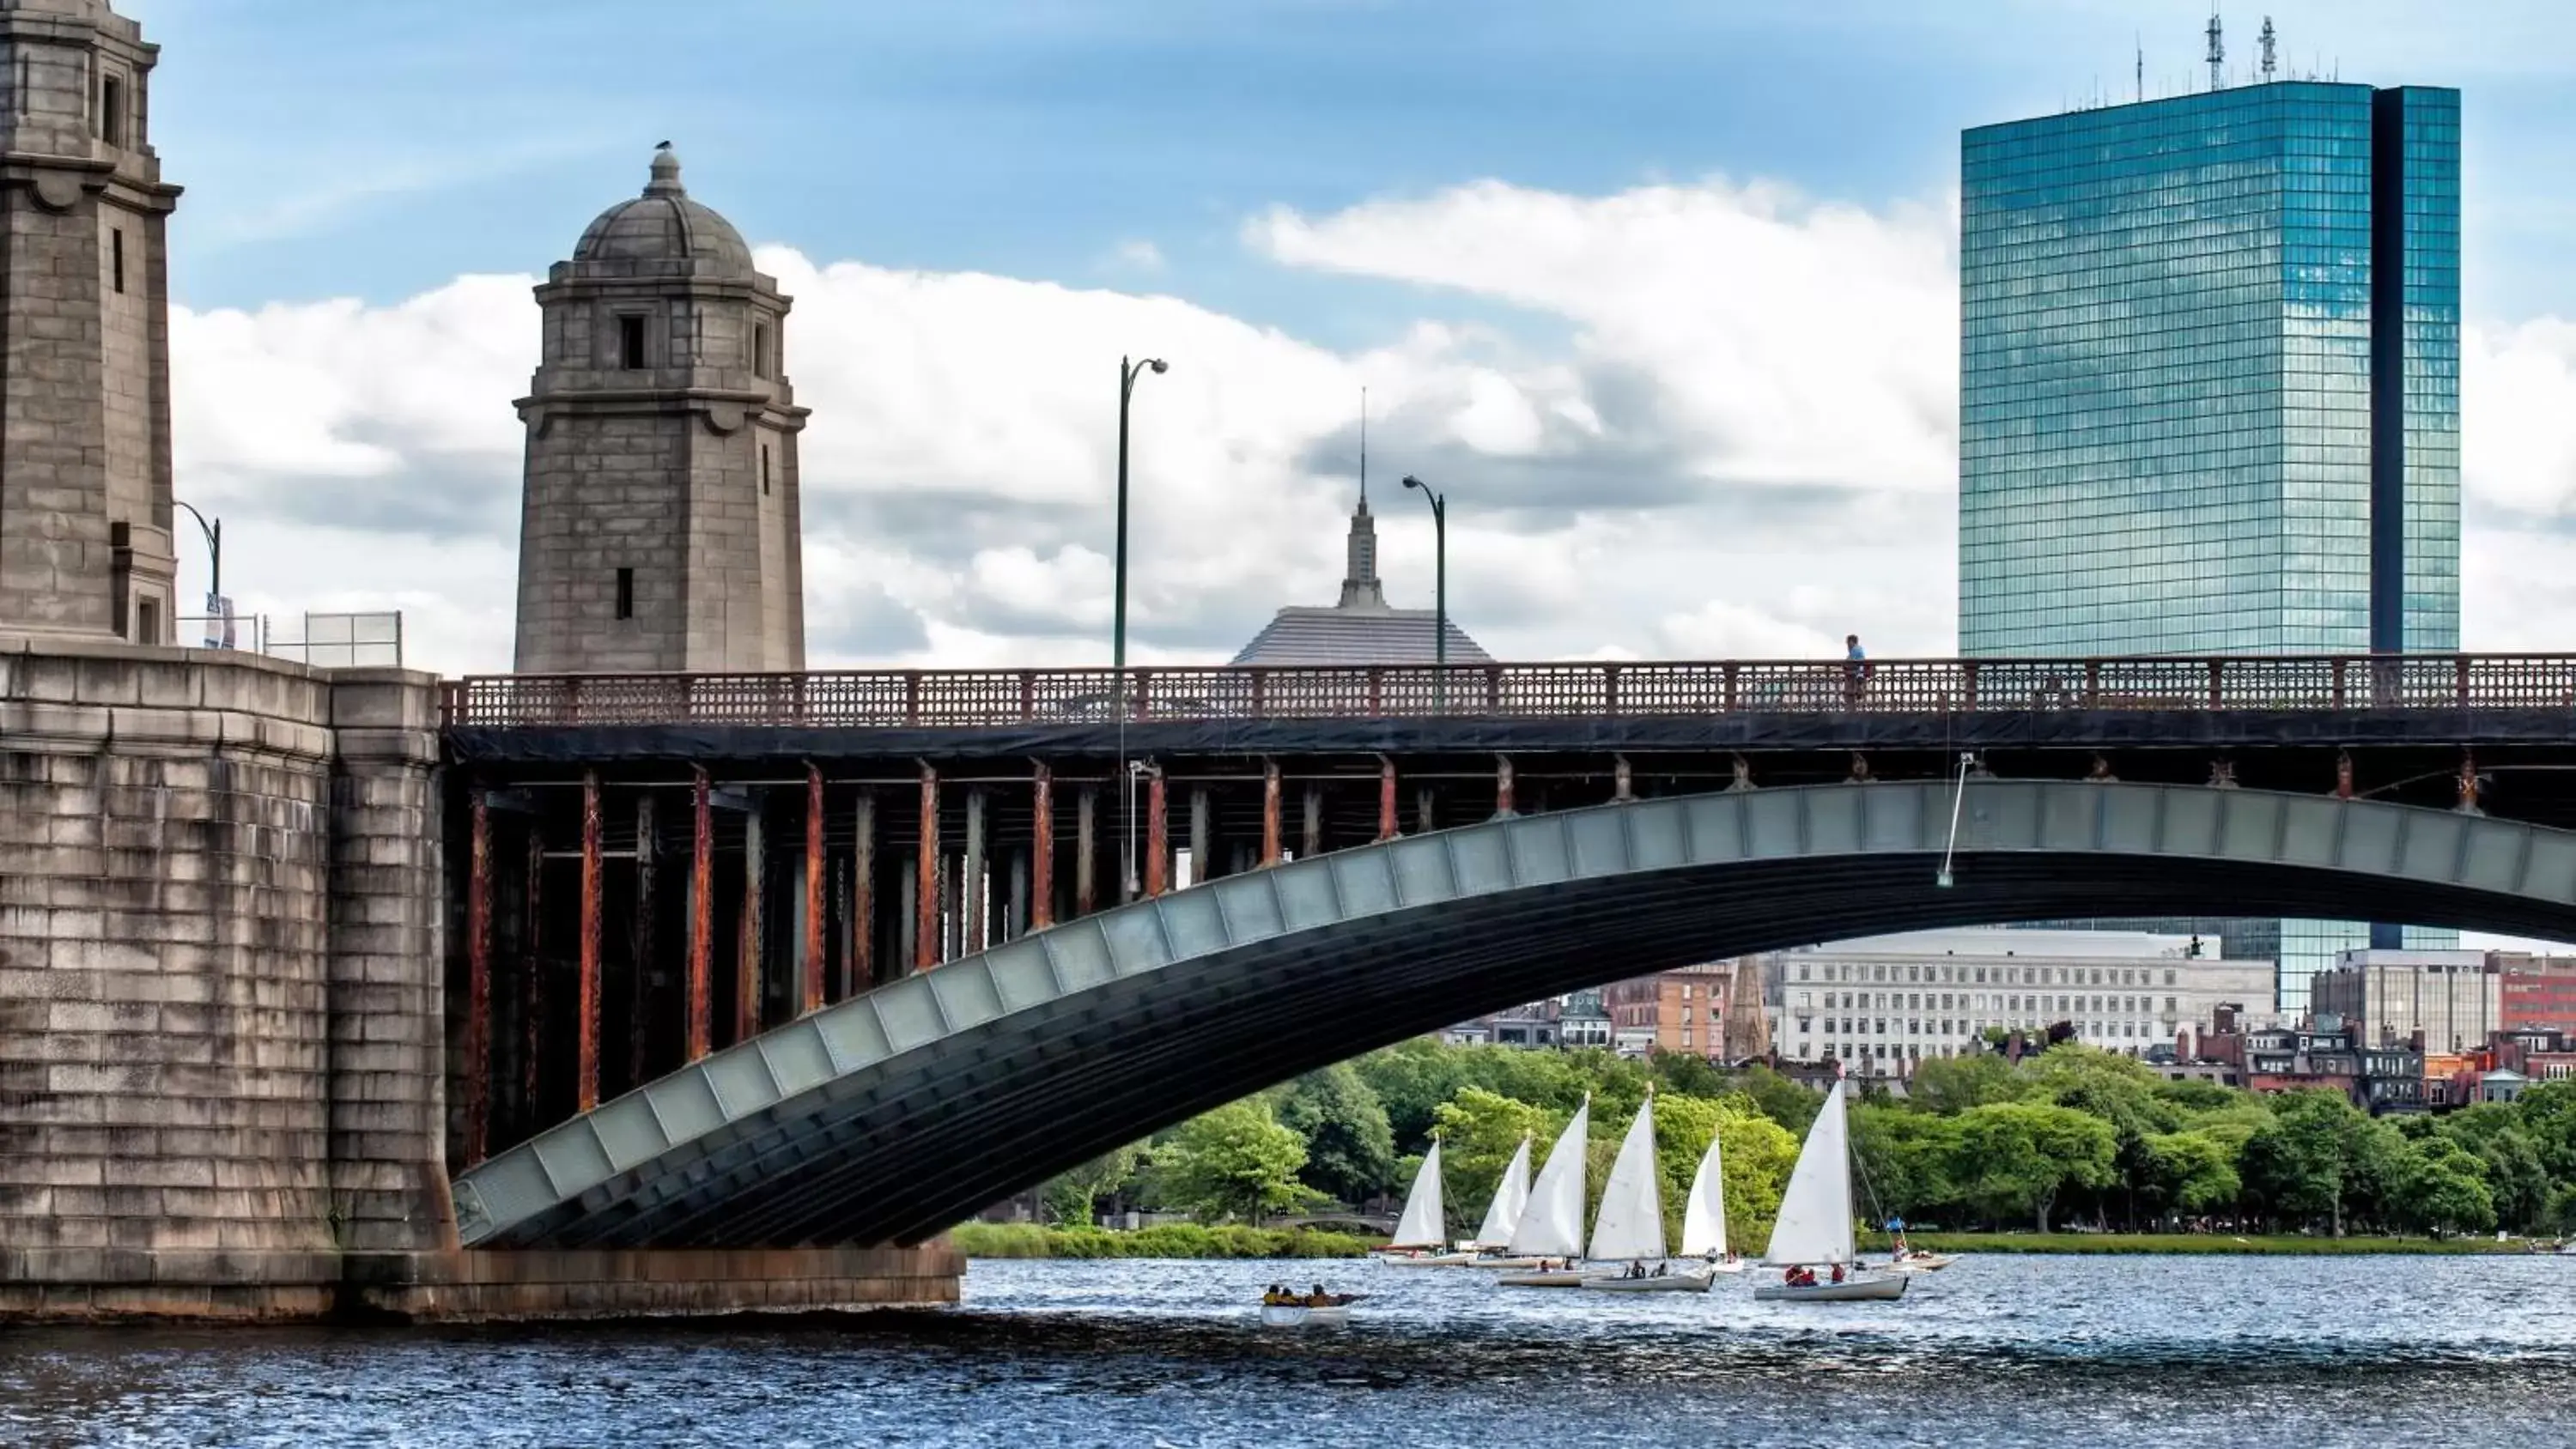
(2284, 1245)
(1169, 1240)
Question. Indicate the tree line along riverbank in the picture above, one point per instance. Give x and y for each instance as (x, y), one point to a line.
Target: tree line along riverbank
(1980, 1145)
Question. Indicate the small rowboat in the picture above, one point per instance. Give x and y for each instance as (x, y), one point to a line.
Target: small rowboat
(1308, 1315)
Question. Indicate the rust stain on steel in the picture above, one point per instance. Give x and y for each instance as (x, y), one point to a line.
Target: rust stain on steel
(533, 1012)
(971, 877)
(702, 905)
(812, 999)
(586, 1054)
(478, 984)
(1158, 836)
(859, 969)
(1086, 845)
(1042, 849)
(1385, 798)
(1270, 812)
(747, 976)
(925, 897)
(639, 977)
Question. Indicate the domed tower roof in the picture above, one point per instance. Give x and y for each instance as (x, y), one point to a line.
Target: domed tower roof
(664, 229)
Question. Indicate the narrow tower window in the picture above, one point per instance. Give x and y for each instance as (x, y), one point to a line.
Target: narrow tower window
(760, 349)
(764, 469)
(111, 110)
(630, 342)
(116, 256)
(626, 593)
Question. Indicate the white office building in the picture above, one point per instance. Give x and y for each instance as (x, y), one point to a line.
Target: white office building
(1882, 1003)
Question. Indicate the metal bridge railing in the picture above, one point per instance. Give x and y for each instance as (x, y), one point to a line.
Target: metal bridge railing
(967, 698)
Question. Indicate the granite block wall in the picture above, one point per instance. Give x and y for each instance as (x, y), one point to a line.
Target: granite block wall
(219, 978)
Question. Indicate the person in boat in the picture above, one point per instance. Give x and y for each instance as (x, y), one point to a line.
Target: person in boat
(1838, 1272)
(1319, 1298)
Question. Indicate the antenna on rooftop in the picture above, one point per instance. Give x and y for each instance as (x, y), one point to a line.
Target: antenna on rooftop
(2217, 54)
(2266, 41)
(2141, 45)
(1363, 445)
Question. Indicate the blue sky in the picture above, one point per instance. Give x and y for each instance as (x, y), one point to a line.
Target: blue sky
(1664, 293)
(378, 149)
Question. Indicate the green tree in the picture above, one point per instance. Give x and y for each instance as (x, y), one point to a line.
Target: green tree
(2318, 1157)
(1781, 1100)
(2017, 1158)
(1233, 1161)
(2195, 1098)
(1479, 1132)
(1070, 1195)
(2187, 1172)
(1952, 1085)
(2441, 1188)
(2548, 1113)
(1757, 1156)
(1350, 1146)
(1908, 1159)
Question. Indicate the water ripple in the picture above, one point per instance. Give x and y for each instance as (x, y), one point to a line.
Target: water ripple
(1997, 1353)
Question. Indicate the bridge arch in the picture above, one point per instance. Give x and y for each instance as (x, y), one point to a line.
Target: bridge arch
(889, 1116)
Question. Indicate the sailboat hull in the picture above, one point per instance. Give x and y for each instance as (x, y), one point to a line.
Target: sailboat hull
(1723, 1267)
(1662, 1283)
(1427, 1260)
(1515, 1265)
(1552, 1278)
(1855, 1290)
(1921, 1263)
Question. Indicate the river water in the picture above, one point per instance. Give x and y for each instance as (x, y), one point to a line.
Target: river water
(1997, 1351)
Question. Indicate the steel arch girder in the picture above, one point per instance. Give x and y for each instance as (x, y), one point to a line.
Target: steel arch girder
(990, 1069)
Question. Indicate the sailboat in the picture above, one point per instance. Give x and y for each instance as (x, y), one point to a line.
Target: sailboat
(1551, 1223)
(1630, 1228)
(1704, 1214)
(1814, 1229)
(1493, 1241)
(1422, 1230)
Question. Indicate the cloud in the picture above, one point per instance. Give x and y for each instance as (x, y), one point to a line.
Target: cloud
(1137, 255)
(1731, 431)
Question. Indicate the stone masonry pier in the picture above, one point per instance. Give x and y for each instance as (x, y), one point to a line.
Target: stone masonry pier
(223, 1033)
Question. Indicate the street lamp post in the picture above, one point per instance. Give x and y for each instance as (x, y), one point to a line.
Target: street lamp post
(1439, 590)
(214, 533)
(1128, 371)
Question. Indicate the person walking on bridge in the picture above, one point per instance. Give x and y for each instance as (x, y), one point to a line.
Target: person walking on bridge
(1855, 670)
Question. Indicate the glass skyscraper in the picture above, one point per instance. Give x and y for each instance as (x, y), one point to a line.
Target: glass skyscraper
(2209, 386)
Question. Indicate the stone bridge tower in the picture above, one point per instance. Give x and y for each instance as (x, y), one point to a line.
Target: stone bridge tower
(85, 545)
(660, 522)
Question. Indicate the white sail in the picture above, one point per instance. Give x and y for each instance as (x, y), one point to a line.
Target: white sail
(1510, 1200)
(1424, 1223)
(1704, 1214)
(1815, 1223)
(1551, 1225)
(1631, 1224)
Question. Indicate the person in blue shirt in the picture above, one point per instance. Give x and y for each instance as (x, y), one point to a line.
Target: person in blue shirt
(1855, 671)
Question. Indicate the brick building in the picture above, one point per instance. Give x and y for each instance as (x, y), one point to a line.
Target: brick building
(1712, 1010)
(2536, 991)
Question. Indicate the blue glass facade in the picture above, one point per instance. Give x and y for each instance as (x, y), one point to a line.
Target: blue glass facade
(2209, 384)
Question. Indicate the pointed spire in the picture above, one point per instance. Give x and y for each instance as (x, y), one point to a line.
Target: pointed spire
(1360, 588)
